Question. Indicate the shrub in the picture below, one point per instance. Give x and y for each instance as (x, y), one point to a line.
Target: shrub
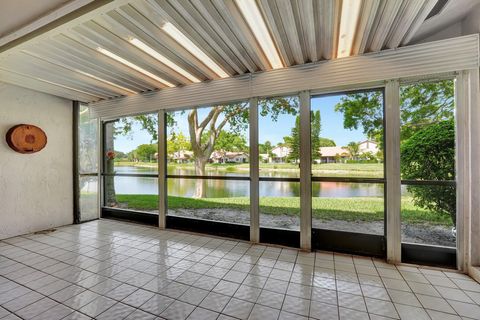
(429, 154)
(230, 169)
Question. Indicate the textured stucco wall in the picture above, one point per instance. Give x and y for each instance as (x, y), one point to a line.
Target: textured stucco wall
(36, 190)
(471, 24)
(452, 31)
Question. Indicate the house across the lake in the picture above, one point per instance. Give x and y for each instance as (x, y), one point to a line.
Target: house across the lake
(280, 154)
(182, 156)
(333, 154)
(368, 146)
(229, 157)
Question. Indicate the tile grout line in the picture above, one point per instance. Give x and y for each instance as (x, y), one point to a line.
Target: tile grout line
(184, 241)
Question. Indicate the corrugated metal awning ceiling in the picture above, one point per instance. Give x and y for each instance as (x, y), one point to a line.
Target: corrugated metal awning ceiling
(129, 47)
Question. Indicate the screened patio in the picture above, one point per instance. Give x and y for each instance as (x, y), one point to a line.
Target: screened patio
(318, 138)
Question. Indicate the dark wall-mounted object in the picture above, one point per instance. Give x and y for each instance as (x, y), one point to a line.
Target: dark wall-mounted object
(26, 138)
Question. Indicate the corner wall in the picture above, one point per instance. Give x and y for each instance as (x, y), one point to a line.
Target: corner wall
(471, 23)
(36, 190)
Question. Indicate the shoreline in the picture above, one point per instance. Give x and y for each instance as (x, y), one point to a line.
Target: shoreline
(232, 167)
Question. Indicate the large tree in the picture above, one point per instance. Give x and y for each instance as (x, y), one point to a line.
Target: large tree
(424, 104)
(146, 152)
(293, 142)
(316, 128)
(325, 142)
(427, 136)
(353, 149)
(233, 115)
(363, 110)
(177, 142)
(120, 155)
(265, 148)
(236, 118)
(421, 104)
(228, 141)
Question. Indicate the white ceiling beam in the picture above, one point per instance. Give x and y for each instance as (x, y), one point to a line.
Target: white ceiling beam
(307, 21)
(328, 12)
(220, 26)
(94, 40)
(291, 29)
(26, 81)
(62, 24)
(418, 21)
(337, 14)
(272, 19)
(78, 61)
(233, 17)
(110, 22)
(367, 17)
(91, 44)
(299, 24)
(385, 22)
(144, 16)
(189, 11)
(109, 38)
(248, 36)
(98, 81)
(101, 62)
(50, 17)
(51, 73)
(428, 59)
(405, 18)
(64, 50)
(203, 40)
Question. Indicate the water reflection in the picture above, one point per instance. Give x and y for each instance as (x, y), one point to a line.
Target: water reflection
(346, 190)
(226, 188)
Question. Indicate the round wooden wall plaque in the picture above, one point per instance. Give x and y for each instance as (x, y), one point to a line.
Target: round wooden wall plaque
(26, 138)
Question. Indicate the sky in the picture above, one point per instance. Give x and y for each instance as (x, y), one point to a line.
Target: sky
(332, 127)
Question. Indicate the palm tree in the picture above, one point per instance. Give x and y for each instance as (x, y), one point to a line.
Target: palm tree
(353, 148)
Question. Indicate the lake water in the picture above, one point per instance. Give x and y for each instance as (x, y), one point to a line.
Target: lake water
(225, 188)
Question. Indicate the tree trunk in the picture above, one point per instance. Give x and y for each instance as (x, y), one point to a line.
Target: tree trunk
(200, 190)
(110, 196)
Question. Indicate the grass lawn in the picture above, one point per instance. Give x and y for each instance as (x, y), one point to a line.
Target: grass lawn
(135, 164)
(366, 170)
(348, 209)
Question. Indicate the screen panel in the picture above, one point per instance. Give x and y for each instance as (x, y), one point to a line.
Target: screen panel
(427, 162)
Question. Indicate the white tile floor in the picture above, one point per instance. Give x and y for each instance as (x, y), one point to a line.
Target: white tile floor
(115, 270)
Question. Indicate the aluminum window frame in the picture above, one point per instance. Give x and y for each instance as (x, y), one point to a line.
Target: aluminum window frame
(366, 244)
(268, 235)
(77, 172)
(430, 254)
(391, 97)
(202, 225)
(106, 211)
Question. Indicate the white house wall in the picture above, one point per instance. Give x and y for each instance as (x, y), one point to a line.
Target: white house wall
(471, 23)
(36, 190)
(452, 31)
(468, 25)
